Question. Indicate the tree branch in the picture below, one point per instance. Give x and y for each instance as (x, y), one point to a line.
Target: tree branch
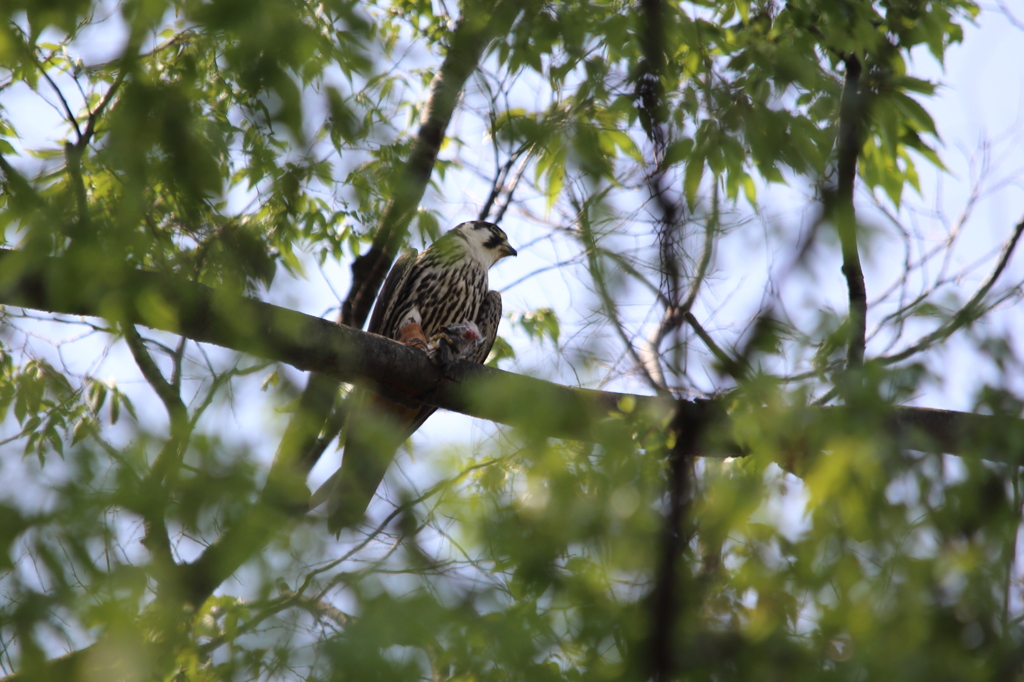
(76, 286)
(311, 343)
(65, 285)
(970, 311)
(79, 287)
(152, 491)
(851, 114)
(667, 600)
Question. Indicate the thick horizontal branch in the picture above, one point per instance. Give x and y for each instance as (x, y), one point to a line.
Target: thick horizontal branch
(82, 286)
(70, 285)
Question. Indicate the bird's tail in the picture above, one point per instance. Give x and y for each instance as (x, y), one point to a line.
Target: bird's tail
(375, 429)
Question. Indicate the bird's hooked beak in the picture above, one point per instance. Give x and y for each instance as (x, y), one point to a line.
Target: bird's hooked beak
(507, 250)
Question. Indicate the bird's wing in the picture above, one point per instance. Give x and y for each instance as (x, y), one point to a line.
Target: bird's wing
(387, 292)
(487, 322)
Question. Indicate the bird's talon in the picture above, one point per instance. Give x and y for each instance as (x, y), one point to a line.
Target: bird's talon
(418, 344)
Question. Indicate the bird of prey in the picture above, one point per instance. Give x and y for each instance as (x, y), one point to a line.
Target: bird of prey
(438, 301)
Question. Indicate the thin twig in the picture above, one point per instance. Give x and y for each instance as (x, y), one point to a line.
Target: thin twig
(608, 303)
(157, 539)
(675, 315)
(967, 313)
(69, 115)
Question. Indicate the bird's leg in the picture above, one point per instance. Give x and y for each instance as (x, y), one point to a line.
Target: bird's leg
(411, 333)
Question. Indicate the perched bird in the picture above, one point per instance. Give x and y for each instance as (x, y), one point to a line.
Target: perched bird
(440, 294)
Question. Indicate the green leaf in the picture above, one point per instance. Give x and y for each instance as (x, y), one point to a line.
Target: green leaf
(500, 351)
(539, 324)
(914, 112)
(677, 152)
(691, 181)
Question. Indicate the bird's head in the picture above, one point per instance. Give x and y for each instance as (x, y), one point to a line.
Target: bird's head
(484, 241)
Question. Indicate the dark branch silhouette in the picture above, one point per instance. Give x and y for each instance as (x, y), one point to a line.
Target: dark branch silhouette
(851, 114)
(247, 325)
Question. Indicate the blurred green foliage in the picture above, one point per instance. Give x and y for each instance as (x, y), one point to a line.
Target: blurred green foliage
(225, 139)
